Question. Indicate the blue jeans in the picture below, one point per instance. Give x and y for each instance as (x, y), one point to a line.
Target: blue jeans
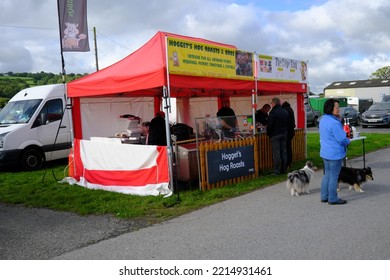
(329, 180)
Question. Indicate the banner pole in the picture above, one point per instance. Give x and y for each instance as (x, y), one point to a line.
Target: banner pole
(96, 50)
(63, 72)
(63, 83)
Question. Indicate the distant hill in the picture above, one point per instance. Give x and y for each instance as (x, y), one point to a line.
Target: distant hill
(11, 83)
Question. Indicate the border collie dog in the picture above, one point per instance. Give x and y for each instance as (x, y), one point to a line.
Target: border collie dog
(298, 181)
(354, 177)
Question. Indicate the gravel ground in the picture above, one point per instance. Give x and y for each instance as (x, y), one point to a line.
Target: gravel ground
(40, 234)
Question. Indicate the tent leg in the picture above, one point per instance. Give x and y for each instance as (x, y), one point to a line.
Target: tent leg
(168, 132)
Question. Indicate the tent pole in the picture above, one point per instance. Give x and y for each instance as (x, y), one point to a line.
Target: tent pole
(167, 109)
(254, 95)
(254, 105)
(168, 135)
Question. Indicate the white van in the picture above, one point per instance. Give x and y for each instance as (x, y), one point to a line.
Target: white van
(35, 127)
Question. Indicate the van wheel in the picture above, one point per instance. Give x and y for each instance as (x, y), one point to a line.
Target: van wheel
(31, 160)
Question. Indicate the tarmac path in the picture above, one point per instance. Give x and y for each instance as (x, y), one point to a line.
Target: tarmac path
(265, 224)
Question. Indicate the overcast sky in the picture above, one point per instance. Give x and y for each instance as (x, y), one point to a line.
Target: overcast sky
(341, 39)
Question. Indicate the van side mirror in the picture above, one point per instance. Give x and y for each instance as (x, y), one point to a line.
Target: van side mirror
(43, 118)
(40, 120)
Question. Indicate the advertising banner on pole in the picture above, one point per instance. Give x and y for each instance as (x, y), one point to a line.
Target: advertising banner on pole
(73, 25)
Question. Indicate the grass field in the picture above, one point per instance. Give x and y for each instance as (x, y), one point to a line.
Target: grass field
(41, 189)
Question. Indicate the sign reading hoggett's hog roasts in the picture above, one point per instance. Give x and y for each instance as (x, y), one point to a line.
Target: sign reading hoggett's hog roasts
(230, 163)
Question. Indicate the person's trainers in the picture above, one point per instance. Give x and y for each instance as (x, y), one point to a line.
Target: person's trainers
(338, 202)
(324, 200)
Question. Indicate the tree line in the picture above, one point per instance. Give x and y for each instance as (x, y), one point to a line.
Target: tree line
(11, 83)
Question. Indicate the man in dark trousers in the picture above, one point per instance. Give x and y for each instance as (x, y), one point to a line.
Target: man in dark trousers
(277, 131)
(290, 131)
(157, 132)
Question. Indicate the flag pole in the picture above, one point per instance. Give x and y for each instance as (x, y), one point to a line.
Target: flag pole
(65, 94)
(63, 72)
(96, 50)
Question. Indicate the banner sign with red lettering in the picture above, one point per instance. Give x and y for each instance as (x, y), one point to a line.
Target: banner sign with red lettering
(198, 59)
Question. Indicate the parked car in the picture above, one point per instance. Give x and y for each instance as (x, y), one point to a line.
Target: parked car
(386, 98)
(377, 115)
(351, 114)
(312, 116)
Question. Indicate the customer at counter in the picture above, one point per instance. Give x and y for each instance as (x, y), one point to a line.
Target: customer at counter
(228, 119)
(290, 131)
(277, 131)
(262, 115)
(157, 131)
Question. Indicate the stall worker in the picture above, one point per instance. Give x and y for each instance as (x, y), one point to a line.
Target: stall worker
(228, 119)
(157, 131)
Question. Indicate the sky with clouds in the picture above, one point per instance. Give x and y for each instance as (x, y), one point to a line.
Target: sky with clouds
(340, 39)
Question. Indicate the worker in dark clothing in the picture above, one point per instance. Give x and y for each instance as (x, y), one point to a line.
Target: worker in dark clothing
(157, 132)
(277, 131)
(228, 119)
(290, 131)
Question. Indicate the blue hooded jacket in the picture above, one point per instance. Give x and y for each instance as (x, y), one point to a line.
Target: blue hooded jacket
(333, 138)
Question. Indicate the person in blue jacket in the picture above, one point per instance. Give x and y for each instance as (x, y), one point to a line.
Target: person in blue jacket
(334, 142)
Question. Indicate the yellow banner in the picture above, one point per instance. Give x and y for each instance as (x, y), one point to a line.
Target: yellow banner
(205, 60)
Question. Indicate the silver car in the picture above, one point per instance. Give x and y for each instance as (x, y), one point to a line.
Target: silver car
(312, 116)
(351, 114)
(377, 115)
(386, 98)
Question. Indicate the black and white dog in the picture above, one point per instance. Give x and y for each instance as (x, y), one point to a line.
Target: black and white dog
(298, 181)
(354, 177)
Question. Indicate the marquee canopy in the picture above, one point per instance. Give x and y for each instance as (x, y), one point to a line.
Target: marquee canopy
(188, 67)
(144, 72)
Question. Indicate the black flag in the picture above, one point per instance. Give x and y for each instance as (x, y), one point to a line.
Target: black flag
(73, 25)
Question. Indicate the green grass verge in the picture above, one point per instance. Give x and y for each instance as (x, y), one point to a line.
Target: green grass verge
(41, 189)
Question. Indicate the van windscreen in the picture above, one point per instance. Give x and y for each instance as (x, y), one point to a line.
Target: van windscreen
(19, 111)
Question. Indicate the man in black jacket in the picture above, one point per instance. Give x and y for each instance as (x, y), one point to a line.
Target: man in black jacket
(157, 132)
(262, 114)
(290, 131)
(277, 131)
(228, 119)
